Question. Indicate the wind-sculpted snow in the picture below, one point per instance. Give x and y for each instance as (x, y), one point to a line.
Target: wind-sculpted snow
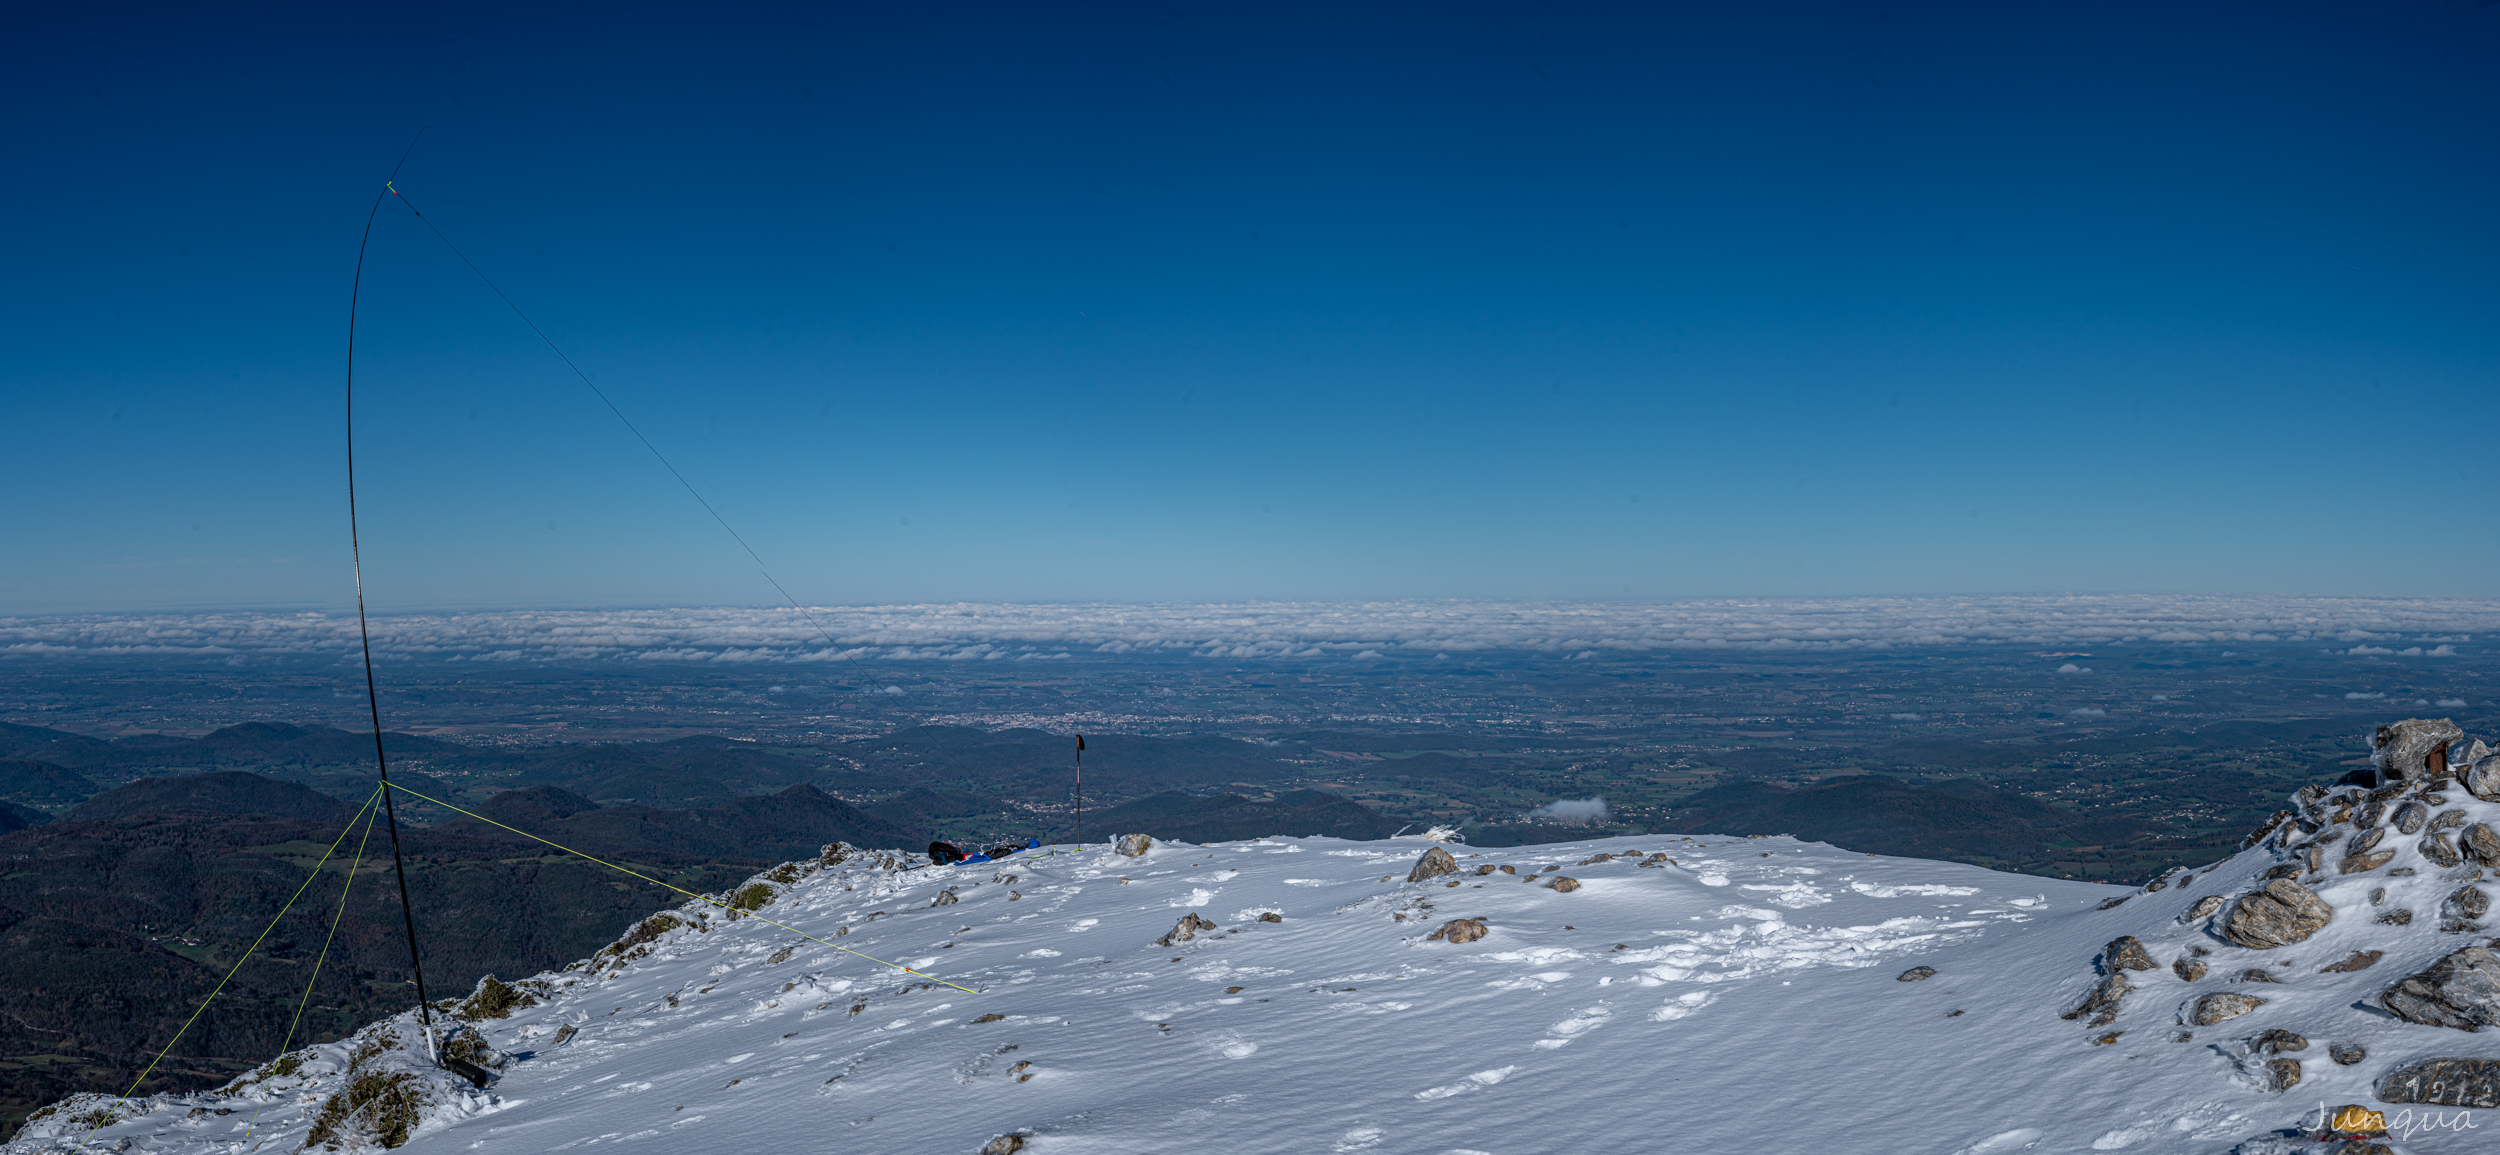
(1334, 631)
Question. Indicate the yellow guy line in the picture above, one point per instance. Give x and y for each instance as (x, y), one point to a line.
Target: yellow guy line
(253, 1127)
(689, 893)
(350, 828)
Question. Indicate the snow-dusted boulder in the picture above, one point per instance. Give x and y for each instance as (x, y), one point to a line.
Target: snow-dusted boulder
(2283, 913)
(2403, 751)
(2461, 991)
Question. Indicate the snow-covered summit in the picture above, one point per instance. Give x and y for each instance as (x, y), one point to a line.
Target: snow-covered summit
(1742, 994)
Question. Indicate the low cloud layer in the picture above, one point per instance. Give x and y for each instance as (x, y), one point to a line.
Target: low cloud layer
(1338, 631)
(1577, 811)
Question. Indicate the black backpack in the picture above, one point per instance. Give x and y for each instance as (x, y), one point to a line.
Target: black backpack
(942, 853)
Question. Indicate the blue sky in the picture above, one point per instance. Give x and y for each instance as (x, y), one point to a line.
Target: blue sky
(1129, 303)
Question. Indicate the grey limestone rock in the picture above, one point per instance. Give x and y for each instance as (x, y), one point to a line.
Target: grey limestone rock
(2102, 1003)
(2346, 1054)
(2222, 1006)
(1915, 974)
(2282, 913)
(2276, 1042)
(1134, 845)
(2461, 991)
(2187, 969)
(1186, 929)
(2448, 820)
(2469, 903)
(1435, 863)
(2126, 952)
(2403, 750)
(2480, 843)
(1459, 930)
(2444, 1082)
(2439, 850)
(2282, 1074)
(2411, 817)
(2482, 779)
(2205, 906)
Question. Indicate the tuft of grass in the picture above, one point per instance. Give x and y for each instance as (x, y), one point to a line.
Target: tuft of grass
(751, 897)
(382, 1107)
(494, 999)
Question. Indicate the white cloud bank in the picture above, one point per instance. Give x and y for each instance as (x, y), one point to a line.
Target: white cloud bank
(1268, 630)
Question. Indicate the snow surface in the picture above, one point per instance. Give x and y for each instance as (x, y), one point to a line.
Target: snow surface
(1742, 999)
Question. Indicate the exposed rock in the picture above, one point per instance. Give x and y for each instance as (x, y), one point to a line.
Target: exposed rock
(1485, 869)
(2102, 1003)
(1916, 974)
(2315, 856)
(2368, 815)
(2282, 1074)
(2287, 870)
(2396, 917)
(2364, 862)
(2258, 975)
(2363, 842)
(2378, 894)
(1459, 930)
(2361, 960)
(2448, 820)
(2439, 850)
(1271, 916)
(2469, 903)
(2401, 872)
(2105, 1040)
(2161, 883)
(2276, 1042)
(1564, 885)
(1435, 863)
(2461, 991)
(2188, 969)
(2222, 1006)
(2205, 906)
(2126, 952)
(945, 897)
(2283, 913)
(2480, 843)
(2406, 750)
(2112, 904)
(2346, 1054)
(1133, 845)
(1186, 929)
(2482, 779)
(1004, 1145)
(1594, 859)
(2411, 817)
(2270, 826)
(2444, 1083)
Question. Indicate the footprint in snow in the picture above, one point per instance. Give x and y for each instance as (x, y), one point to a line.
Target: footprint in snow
(2018, 1139)
(1682, 1005)
(1470, 1083)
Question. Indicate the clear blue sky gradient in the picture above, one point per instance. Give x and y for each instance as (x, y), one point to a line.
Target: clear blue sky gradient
(1038, 303)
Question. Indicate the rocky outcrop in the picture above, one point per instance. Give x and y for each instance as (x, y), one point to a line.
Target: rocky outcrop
(1919, 975)
(2480, 843)
(1134, 845)
(2411, 817)
(2468, 904)
(2439, 850)
(2127, 953)
(2102, 1003)
(2205, 906)
(2282, 1074)
(1186, 929)
(1459, 930)
(2346, 1054)
(2413, 748)
(2221, 1007)
(1564, 885)
(1435, 863)
(2482, 779)
(2461, 991)
(2283, 913)
(2360, 960)
(2188, 969)
(2276, 1042)
(2444, 1083)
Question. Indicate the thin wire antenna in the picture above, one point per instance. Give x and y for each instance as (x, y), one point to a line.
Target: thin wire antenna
(364, 635)
(630, 427)
(1080, 790)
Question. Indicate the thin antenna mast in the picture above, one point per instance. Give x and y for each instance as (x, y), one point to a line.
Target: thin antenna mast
(1080, 790)
(373, 703)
